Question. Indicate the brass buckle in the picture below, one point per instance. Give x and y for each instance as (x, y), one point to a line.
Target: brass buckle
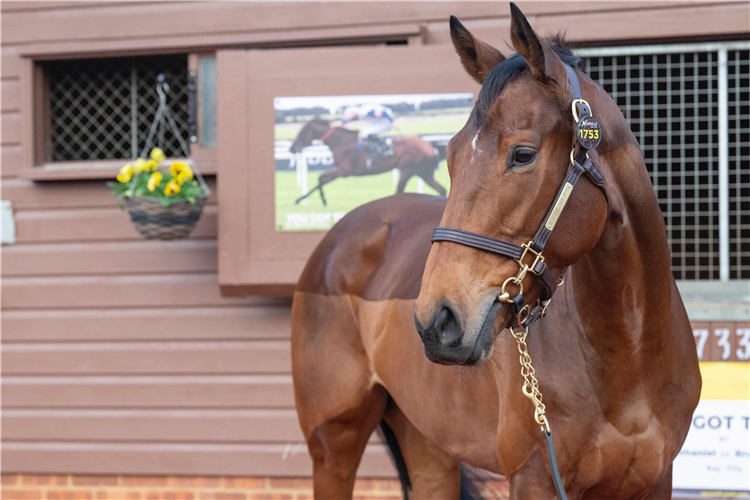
(537, 259)
(544, 304)
(523, 314)
(575, 109)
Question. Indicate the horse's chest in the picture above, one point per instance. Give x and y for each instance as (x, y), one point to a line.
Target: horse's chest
(455, 409)
(623, 463)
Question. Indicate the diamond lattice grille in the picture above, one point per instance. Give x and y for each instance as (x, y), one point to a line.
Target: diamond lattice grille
(102, 109)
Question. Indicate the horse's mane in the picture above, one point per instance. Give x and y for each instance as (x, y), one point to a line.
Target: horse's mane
(507, 71)
(320, 121)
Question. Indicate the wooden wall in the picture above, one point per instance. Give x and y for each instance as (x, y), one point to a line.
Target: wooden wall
(120, 355)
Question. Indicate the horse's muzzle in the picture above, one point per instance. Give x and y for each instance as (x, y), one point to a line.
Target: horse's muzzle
(446, 343)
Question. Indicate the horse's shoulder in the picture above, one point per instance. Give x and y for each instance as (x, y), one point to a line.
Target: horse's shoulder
(374, 250)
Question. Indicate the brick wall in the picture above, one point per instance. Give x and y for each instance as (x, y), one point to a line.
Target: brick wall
(73, 487)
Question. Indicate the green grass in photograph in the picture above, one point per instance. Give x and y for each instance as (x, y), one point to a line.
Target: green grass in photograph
(343, 195)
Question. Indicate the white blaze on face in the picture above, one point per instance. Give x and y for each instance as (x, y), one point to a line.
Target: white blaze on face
(474, 147)
(474, 141)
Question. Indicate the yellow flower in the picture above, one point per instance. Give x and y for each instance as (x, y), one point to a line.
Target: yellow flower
(157, 155)
(172, 187)
(140, 165)
(181, 171)
(126, 173)
(150, 166)
(154, 181)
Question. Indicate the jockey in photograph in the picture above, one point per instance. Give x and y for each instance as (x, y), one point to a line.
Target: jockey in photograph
(376, 120)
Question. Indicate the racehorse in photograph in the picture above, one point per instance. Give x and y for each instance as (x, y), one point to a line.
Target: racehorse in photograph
(412, 155)
(424, 338)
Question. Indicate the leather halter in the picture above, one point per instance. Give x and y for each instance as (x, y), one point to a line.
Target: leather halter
(327, 134)
(529, 255)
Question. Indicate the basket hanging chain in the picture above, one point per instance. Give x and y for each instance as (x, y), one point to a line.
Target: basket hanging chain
(162, 112)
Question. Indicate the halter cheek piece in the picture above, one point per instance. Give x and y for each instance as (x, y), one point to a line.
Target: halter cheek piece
(529, 255)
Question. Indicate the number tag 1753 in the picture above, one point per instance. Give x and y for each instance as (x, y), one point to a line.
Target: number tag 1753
(589, 132)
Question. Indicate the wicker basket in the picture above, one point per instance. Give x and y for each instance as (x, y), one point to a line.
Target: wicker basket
(155, 221)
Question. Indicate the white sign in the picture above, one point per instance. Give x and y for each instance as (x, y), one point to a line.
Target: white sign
(716, 453)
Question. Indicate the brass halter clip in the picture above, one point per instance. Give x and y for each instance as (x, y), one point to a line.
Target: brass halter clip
(524, 268)
(537, 257)
(516, 280)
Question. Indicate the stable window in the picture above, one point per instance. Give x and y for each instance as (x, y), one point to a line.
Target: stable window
(689, 108)
(102, 109)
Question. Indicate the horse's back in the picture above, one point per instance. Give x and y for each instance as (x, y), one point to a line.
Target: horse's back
(376, 252)
(416, 144)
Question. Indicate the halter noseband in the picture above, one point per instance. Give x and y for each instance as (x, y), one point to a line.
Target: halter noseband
(529, 255)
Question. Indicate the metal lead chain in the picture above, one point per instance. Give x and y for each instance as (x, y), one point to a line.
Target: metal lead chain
(531, 384)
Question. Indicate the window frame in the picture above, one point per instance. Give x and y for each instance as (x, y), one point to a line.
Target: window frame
(205, 157)
(36, 125)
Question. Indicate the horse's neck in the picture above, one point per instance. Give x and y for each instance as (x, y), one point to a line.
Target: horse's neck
(341, 142)
(623, 287)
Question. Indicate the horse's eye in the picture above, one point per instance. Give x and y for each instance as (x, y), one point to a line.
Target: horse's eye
(523, 156)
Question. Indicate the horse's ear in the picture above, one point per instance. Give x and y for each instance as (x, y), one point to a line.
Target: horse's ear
(542, 61)
(477, 57)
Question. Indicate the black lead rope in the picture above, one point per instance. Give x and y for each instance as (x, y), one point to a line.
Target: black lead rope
(588, 134)
(556, 479)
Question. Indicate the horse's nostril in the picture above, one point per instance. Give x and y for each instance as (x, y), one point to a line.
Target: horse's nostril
(447, 327)
(420, 328)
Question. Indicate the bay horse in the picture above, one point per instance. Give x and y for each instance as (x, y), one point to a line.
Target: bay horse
(412, 155)
(390, 329)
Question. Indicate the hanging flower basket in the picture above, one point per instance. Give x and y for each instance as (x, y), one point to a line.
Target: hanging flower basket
(155, 221)
(163, 203)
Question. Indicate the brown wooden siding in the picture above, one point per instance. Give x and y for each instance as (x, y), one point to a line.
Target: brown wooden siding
(120, 355)
(110, 340)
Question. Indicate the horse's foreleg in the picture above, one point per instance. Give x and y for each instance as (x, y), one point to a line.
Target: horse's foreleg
(324, 179)
(322, 195)
(304, 196)
(336, 446)
(402, 180)
(430, 180)
(337, 405)
(432, 472)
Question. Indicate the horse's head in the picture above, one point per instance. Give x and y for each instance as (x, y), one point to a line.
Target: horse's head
(506, 166)
(311, 131)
